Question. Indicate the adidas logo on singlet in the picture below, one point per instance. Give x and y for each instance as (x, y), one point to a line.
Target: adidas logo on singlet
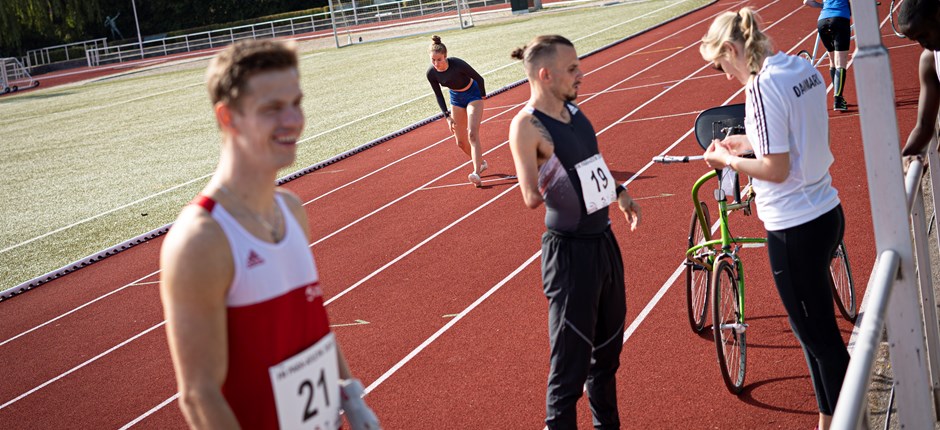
(254, 259)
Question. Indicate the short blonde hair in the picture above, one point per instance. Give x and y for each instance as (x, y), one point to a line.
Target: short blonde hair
(741, 26)
(230, 70)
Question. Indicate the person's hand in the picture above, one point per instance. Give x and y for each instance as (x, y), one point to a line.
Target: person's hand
(451, 124)
(359, 415)
(717, 155)
(630, 209)
(736, 144)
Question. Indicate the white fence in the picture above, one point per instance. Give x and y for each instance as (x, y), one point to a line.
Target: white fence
(51, 54)
(315, 25)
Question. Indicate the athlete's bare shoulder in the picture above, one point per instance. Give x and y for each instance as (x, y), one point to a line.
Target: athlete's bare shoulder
(296, 207)
(530, 127)
(196, 252)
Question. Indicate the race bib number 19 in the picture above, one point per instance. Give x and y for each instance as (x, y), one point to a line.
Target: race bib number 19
(306, 388)
(597, 184)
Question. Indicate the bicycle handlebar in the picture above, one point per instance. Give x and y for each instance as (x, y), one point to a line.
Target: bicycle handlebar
(669, 159)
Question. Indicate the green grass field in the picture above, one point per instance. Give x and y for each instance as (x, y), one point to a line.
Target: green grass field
(146, 142)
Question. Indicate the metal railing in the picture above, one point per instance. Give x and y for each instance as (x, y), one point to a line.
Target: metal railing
(51, 54)
(323, 22)
(895, 301)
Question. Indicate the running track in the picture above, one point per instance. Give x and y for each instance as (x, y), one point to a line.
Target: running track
(447, 276)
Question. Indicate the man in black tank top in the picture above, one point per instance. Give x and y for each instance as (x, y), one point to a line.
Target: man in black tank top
(555, 151)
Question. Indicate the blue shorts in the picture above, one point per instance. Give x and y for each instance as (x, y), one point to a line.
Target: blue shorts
(463, 98)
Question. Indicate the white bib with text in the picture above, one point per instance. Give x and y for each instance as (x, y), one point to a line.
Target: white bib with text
(306, 388)
(597, 184)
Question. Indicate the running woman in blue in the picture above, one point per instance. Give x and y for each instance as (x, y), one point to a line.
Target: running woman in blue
(555, 152)
(835, 32)
(466, 97)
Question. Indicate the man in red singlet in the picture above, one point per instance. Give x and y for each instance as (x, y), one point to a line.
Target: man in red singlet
(248, 333)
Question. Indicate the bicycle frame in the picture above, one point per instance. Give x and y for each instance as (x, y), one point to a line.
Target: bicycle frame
(729, 244)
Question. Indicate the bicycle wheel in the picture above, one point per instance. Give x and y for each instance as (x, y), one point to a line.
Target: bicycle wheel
(697, 277)
(804, 54)
(728, 325)
(843, 287)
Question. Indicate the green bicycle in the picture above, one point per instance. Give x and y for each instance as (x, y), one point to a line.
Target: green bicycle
(714, 269)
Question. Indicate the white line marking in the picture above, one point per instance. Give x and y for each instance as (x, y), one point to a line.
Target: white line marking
(419, 245)
(74, 310)
(662, 195)
(662, 117)
(465, 184)
(358, 322)
(150, 412)
(157, 282)
(401, 363)
(87, 362)
(402, 159)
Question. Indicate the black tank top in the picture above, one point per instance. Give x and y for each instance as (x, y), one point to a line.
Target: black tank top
(559, 183)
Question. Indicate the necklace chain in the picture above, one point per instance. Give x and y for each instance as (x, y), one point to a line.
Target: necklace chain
(274, 233)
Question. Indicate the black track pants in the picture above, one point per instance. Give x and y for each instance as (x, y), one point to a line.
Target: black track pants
(583, 281)
(799, 258)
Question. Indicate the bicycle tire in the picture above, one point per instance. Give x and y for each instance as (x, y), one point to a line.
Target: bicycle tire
(731, 343)
(804, 54)
(843, 286)
(697, 277)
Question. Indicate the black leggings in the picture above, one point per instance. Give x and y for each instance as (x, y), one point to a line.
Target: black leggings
(799, 258)
(835, 33)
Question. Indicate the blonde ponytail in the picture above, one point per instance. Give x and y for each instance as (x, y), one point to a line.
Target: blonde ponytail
(756, 44)
(731, 27)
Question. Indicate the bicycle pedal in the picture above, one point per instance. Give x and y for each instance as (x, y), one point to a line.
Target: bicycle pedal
(738, 327)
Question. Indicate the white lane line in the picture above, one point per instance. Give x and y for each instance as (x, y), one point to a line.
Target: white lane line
(157, 282)
(150, 412)
(404, 196)
(401, 363)
(659, 84)
(653, 118)
(74, 310)
(419, 245)
(511, 108)
(87, 362)
(466, 184)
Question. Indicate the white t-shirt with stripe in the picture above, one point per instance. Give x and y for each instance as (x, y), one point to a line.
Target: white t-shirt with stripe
(786, 112)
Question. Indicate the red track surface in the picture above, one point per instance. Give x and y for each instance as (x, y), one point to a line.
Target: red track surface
(89, 350)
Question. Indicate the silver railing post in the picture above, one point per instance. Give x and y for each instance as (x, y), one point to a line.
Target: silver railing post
(908, 349)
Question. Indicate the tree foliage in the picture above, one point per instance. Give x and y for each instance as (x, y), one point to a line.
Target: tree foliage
(31, 24)
(25, 23)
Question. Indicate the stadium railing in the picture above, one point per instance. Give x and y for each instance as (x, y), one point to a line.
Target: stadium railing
(51, 54)
(321, 22)
(893, 299)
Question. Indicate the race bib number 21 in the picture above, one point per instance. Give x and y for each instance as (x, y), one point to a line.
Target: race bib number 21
(306, 388)
(597, 184)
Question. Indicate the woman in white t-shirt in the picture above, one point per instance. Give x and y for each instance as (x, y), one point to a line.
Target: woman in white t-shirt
(787, 129)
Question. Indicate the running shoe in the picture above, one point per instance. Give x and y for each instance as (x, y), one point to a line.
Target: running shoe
(839, 104)
(475, 179)
(483, 166)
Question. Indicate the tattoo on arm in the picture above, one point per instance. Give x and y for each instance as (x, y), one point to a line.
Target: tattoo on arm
(542, 130)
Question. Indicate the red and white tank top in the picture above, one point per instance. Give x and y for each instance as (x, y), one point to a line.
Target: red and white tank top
(275, 310)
